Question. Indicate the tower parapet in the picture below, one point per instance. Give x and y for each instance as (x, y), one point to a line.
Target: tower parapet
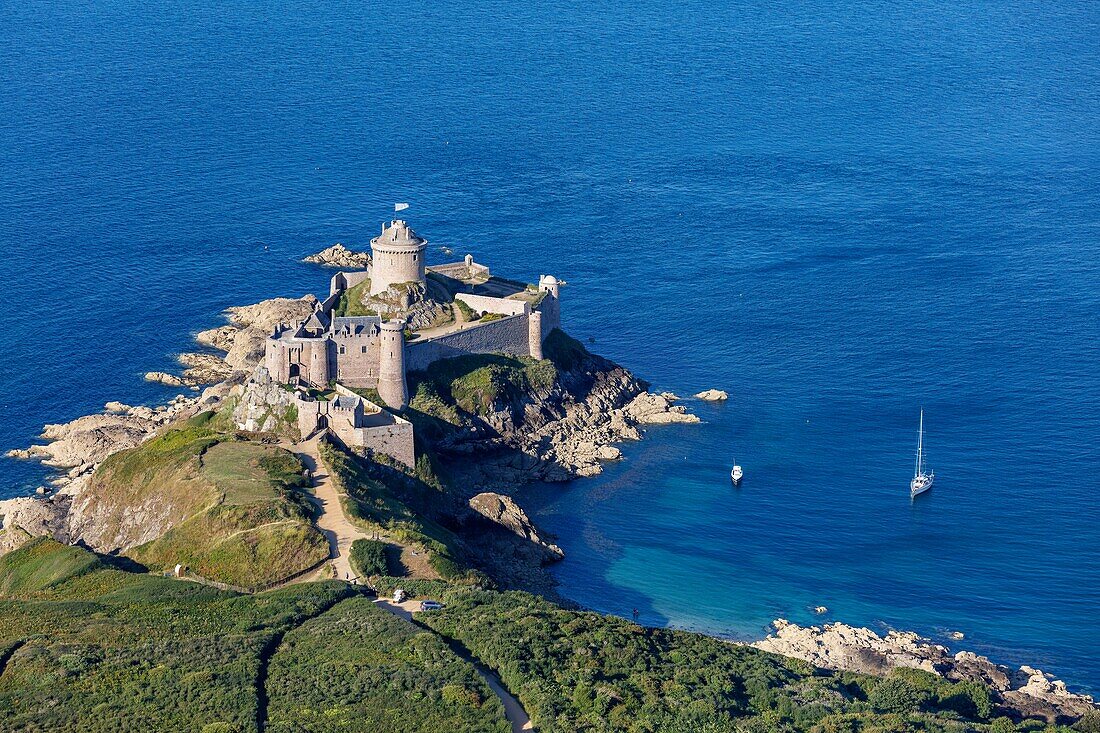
(397, 256)
(391, 364)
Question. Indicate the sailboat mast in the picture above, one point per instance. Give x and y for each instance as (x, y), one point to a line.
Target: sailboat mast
(920, 443)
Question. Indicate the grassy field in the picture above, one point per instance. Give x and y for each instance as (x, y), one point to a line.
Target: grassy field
(95, 649)
(259, 529)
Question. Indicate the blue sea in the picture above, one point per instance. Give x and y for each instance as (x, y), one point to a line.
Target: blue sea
(838, 212)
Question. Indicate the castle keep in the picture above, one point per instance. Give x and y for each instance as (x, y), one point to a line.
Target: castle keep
(400, 316)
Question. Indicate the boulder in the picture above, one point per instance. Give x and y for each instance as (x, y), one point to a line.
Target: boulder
(653, 409)
(165, 378)
(505, 513)
(713, 395)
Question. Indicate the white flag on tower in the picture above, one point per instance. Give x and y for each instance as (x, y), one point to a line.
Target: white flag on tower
(400, 207)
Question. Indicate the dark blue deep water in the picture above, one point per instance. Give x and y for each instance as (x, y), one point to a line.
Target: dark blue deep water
(838, 212)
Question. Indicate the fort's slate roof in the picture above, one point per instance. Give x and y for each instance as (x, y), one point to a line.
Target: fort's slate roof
(356, 324)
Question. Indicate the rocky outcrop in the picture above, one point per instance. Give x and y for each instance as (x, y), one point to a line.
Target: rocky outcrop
(565, 431)
(657, 409)
(1026, 692)
(412, 303)
(340, 256)
(169, 380)
(80, 446)
(507, 544)
(204, 369)
(26, 517)
(713, 395)
(264, 405)
(505, 513)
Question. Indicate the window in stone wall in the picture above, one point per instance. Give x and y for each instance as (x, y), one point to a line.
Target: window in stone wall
(342, 350)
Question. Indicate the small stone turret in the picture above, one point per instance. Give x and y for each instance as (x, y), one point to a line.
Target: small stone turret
(551, 304)
(391, 364)
(397, 256)
(550, 284)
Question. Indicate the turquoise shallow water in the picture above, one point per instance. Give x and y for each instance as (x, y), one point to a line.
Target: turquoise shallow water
(836, 214)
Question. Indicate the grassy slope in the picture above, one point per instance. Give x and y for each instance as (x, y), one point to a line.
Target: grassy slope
(351, 301)
(586, 672)
(106, 650)
(164, 469)
(101, 650)
(235, 513)
(258, 530)
(358, 668)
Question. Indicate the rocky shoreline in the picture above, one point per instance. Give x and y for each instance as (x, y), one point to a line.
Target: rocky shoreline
(1023, 693)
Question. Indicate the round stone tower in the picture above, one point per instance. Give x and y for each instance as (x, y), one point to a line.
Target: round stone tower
(391, 364)
(397, 256)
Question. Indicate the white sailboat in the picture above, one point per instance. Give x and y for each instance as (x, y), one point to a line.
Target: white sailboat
(921, 481)
(736, 475)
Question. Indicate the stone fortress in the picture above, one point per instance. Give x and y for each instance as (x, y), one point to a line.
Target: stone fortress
(397, 316)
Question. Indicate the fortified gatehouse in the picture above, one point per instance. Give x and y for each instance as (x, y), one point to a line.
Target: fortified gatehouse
(399, 316)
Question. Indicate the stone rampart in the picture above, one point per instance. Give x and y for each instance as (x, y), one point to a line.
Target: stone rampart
(509, 335)
(489, 304)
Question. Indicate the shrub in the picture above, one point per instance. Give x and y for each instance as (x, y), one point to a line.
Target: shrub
(969, 699)
(368, 557)
(1002, 725)
(1089, 722)
(894, 695)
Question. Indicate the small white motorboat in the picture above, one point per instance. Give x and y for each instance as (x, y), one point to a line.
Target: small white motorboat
(736, 475)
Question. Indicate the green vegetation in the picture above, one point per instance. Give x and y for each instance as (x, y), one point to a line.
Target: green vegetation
(374, 503)
(586, 672)
(235, 510)
(358, 668)
(164, 469)
(479, 383)
(564, 351)
(368, 557)
(352, 301)
(258, 533)
(106, 650)
(466, 311)
(93, 649)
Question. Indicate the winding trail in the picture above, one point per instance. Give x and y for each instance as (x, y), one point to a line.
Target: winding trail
(333, 523)
(513, 710)
(340, 533)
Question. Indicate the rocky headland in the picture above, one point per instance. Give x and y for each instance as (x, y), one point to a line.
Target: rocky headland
(1024, 693)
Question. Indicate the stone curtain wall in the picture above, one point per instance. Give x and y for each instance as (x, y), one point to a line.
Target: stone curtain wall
(354, 366)
(346, 280)
(392, 440)
(487, 304)
(506, 336)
